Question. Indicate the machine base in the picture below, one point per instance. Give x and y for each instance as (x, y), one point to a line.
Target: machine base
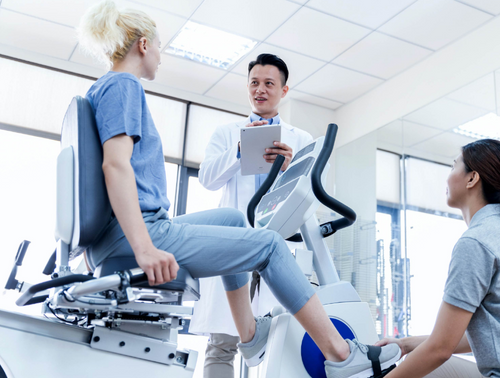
(35, 347)
(290, 351)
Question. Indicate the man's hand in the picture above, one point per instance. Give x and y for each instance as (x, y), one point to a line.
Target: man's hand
(159, 266)
(253, 124)
(257, 123)
(279, 149)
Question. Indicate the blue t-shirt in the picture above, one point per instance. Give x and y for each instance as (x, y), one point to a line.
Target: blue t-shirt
(120, 107)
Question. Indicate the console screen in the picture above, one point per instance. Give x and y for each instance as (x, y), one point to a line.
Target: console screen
(295, 171)
(269, 202)
(304, 151)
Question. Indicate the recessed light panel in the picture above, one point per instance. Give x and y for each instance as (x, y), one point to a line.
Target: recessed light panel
(210, 46)
(487, 126)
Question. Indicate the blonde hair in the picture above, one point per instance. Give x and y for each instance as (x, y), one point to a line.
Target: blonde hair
(107, 33)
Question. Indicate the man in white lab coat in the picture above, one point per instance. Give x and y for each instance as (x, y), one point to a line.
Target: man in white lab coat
(267, 77)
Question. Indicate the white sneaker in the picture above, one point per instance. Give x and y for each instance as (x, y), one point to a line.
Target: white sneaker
(253, 352)
(364, 361)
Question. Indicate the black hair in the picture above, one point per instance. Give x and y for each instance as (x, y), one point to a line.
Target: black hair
(273, 60)
(483, 157)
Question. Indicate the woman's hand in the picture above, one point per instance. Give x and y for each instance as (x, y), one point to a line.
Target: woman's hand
(159, 266)
(391, 340)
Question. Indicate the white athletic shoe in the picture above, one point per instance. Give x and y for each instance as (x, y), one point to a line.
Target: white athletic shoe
(253, 352)
(364, 361)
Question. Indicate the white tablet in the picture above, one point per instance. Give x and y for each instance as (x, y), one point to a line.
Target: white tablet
(253, 144)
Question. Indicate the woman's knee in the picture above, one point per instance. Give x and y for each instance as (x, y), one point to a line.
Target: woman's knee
(276, 245)
(234, 217)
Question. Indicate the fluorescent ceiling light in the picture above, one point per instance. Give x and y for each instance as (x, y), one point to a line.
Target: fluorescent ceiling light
(487, 126)
(210, 46)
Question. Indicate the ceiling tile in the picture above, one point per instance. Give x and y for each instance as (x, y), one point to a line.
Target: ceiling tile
(480, 93)
(365, 12)
(305, 97)
(254, 19)
(182, 8)
(445, 114)
(59, 11)
(338, 84)
(317, 34)
(167, 24)
(446, 144)
(51, 10)
(434, 23)
(381, 55)
(232, 88)
(187, 75)
(37, 35)
(299, 66)
(490, 6)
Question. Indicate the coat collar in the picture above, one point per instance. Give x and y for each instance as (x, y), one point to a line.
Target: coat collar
(246, 121)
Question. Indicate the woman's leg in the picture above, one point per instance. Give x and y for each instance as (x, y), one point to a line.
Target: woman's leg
(232, 252)
(224, 216)
(239, 302)
(265, 251)
(311, 316)
(221, 347)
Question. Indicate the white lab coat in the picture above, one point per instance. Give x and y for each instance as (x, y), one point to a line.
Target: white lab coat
(221, 169)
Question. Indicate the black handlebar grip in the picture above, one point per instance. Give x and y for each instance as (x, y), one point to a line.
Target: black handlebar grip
(275, 169)
(349, 216)
(138, 279)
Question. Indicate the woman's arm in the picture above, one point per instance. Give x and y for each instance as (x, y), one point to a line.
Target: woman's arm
(463, 346)
(446, 338)
(159, 266)
(408, 344)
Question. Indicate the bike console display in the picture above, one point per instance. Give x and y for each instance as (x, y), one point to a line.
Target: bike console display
(291, 201)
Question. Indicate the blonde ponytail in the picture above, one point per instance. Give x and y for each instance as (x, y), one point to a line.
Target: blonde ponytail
(107, 33)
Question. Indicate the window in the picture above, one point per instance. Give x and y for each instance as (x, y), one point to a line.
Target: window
(426, 186)
(199, 198)
(169, 118)
(388, 178)
(37, 98)
(171, 170)
(411, 275)
(430, 241)
(28, 207)
(202, 124)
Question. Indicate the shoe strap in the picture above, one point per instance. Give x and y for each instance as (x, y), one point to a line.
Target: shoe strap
(373, 355)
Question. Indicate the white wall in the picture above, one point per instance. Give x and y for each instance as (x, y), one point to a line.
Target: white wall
(355, 176)
(312, 118)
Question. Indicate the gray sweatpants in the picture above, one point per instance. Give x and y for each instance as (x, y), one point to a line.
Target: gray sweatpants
(219, 356)
(216, 243)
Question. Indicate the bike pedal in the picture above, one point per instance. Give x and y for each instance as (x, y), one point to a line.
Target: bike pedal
(385, 372)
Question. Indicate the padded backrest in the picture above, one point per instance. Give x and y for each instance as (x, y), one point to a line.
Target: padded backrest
(92, 209)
